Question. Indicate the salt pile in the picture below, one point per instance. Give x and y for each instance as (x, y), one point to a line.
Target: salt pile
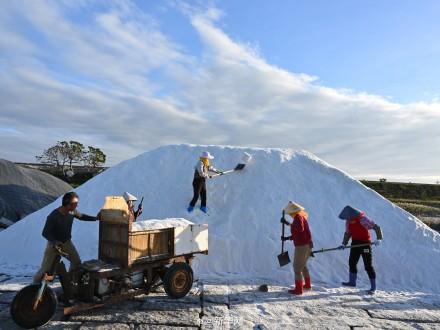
(244, 212)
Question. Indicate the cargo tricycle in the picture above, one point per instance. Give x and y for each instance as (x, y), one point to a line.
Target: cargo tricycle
(133, 259)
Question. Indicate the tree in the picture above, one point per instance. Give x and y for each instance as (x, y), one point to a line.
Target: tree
(55, 156)
(65, 154)
(95, 157)
(75, 152)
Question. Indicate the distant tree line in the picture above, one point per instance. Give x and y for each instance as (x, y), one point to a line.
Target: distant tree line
(65, 154)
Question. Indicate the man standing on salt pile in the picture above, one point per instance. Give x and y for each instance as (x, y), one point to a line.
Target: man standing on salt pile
(130, 199)
(202, 171)
(357, 228)
(302, 239)
(58, 232)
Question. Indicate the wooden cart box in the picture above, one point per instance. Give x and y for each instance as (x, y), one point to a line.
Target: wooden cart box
(126, 243)
(117, 244)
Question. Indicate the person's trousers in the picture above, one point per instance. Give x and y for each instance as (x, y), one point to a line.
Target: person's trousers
(367, 257)
(199, 186)
(302, 254)
(51, 258)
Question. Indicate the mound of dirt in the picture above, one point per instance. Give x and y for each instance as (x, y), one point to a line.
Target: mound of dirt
(24, 191)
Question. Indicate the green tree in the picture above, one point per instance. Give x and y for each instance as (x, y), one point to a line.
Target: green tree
(63, 154)
(55, 156)
(95, 157)
(75, 152)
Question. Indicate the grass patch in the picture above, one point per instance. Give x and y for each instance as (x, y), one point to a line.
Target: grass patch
(427, 202)
(419, 209)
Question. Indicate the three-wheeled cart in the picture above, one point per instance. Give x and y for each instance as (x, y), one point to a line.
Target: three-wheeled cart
(133, 258)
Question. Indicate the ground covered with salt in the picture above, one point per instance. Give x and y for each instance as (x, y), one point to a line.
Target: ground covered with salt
(222, 304)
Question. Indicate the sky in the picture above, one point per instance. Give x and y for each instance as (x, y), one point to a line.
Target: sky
(355, 82)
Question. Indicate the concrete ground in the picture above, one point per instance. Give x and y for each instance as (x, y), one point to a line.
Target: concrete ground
(217, 304)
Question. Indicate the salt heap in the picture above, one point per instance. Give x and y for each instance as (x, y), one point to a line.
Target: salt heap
(244, 212)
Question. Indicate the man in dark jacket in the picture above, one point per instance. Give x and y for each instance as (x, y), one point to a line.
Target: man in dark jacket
(58, 232)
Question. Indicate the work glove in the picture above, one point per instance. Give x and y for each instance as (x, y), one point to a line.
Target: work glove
(377, 243)
(284, 221)
(341, 247)
(285, 238)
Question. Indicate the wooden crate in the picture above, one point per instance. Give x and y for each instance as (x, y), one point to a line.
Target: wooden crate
(117, 244)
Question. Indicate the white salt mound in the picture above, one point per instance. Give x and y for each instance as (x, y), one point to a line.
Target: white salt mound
(244, 212)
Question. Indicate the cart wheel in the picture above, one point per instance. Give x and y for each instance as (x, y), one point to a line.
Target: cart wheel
(178, 280)
(22, 311)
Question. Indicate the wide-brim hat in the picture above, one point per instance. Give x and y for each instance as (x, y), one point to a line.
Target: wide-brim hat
(206, 154)
(349, 212)
(293, 207)
(129, 197)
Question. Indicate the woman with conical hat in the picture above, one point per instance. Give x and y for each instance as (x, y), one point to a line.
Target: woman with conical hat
(130, 199)
(357, 227)
(302, 239)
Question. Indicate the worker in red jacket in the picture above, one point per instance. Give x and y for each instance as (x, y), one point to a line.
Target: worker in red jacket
(302, 239)
(357, 228)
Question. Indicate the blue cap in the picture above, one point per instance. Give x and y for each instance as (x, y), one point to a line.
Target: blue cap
(349, 212)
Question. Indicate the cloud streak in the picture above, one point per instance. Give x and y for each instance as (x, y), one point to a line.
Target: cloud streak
(117, 81)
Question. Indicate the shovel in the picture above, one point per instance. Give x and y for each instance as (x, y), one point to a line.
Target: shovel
(246, 158)
(283, 258)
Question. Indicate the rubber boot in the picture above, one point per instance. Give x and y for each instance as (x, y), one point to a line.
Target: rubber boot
(203, 209)
(373, 286)
(307, 283)
(190, 209)
(298, 288)
(352, 280)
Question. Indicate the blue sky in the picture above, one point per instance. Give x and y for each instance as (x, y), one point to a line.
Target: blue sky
(355, 82)
(388, 48)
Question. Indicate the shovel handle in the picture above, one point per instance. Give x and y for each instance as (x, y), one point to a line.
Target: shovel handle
(347, 247)
(282, 234)
(225, 172)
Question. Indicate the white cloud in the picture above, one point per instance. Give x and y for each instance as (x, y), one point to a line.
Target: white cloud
(95, 81)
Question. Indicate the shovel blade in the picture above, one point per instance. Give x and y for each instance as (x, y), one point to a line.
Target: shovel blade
(239, 167)
(283, 259)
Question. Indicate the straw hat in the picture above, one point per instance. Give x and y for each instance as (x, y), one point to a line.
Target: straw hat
(349, 212)
(293, 207)
(129, 197)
